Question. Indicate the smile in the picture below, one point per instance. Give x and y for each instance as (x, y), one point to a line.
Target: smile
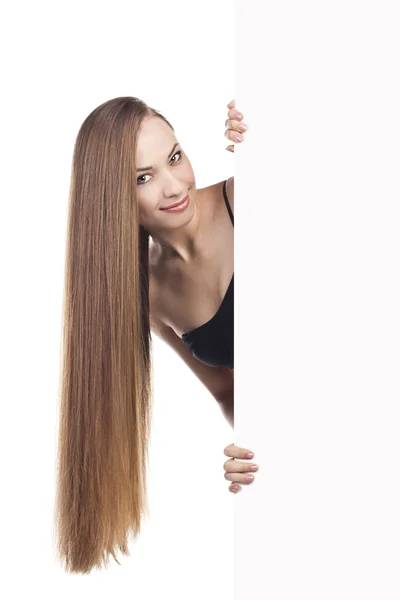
(178, 205)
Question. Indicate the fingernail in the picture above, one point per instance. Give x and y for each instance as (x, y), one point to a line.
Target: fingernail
(238, 116)
(249, 477)
(253, 468)
(239, 138)
(242, 127)
(249, 455)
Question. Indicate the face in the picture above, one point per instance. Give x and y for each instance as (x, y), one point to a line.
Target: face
(164, 176)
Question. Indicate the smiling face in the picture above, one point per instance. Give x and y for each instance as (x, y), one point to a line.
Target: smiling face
(164, 176)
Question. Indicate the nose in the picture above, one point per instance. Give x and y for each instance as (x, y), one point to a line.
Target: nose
(171, 186)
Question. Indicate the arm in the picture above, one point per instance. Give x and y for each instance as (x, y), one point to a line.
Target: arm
(227, 401)
(227, 405)
(218, 380)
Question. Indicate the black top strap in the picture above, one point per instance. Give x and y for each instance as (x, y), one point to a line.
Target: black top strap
(227, 203)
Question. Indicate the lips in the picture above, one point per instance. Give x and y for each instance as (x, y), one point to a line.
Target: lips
(176, 203)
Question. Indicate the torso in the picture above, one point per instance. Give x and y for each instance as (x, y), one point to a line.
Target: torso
(186, 296)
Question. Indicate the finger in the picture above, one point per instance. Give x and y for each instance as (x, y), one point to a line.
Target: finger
(245, 478)
(233, 113)
(231, 104)
(237, 452)
(234, 488)
(236, 466)
(236, 125)
(230, 148)
(235, 136)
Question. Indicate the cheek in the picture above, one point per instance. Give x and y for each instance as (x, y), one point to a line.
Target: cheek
(144, 206)
(147, 208)
(189, 165)
(188, 172)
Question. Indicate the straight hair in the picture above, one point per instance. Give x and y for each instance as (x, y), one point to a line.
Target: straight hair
(105, 386)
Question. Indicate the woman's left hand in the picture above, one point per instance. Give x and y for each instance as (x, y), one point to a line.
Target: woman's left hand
(234, 126)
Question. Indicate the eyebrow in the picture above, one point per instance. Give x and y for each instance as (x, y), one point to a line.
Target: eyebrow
(169, 156)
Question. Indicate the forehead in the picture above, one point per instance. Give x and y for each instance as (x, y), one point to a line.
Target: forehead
(155, 140)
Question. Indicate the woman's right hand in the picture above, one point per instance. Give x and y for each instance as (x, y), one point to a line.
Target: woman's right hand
(237, 471)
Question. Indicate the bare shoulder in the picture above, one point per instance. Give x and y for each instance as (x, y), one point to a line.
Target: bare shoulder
(214, 193)
(230, 191)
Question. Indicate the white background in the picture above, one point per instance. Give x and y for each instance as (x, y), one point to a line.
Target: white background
(63, 60)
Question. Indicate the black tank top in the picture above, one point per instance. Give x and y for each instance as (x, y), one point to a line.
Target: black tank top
(212, 343)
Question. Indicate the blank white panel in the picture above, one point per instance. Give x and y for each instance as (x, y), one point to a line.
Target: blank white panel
(317, 299)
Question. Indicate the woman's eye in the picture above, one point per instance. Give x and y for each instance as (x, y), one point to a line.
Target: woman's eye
(146, 175)
(179, 152)
(141, 182)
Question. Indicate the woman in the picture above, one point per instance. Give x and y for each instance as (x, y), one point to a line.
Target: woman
(133, 267)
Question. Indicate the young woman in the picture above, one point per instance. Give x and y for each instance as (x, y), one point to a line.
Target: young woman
(135, 266)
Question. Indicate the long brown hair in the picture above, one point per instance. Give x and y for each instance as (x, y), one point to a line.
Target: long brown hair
(106, 388)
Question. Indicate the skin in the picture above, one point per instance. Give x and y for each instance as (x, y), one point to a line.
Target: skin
(177, 238)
